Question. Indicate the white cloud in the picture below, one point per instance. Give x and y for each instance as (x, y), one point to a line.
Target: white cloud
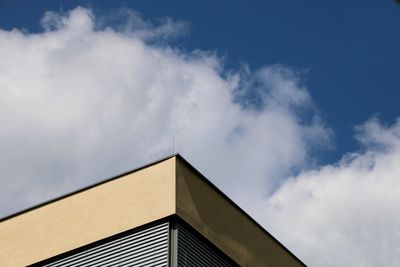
(84, 100)
(344, 214)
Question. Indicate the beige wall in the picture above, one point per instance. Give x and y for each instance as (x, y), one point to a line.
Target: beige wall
(225, 225)
(113, 207)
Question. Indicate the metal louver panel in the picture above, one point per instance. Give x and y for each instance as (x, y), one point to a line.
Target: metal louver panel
(192, 252)
(146, 247)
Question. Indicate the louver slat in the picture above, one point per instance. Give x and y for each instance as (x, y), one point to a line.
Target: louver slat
(148, 247)
(194, 253)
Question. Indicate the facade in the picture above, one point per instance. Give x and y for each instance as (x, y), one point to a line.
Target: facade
(163, 214)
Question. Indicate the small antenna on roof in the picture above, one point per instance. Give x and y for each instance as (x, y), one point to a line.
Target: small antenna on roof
(173, 145)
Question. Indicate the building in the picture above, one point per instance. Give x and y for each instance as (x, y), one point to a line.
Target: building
(162, 214)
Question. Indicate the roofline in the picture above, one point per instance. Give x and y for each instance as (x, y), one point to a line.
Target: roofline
(87, 187)
(205, 179)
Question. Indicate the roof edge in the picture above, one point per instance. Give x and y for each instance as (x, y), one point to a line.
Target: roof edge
(84, 188)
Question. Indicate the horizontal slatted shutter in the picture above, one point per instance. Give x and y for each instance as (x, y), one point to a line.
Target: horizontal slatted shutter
(193, 252)
(147, 247)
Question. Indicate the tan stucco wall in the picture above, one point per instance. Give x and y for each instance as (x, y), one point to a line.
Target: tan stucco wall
(225, 225)
(104, 210)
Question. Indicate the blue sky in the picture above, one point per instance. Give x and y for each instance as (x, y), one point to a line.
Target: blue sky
(291, 109)
(350, 50)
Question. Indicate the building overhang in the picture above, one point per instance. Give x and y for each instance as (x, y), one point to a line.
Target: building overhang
(168, 187)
